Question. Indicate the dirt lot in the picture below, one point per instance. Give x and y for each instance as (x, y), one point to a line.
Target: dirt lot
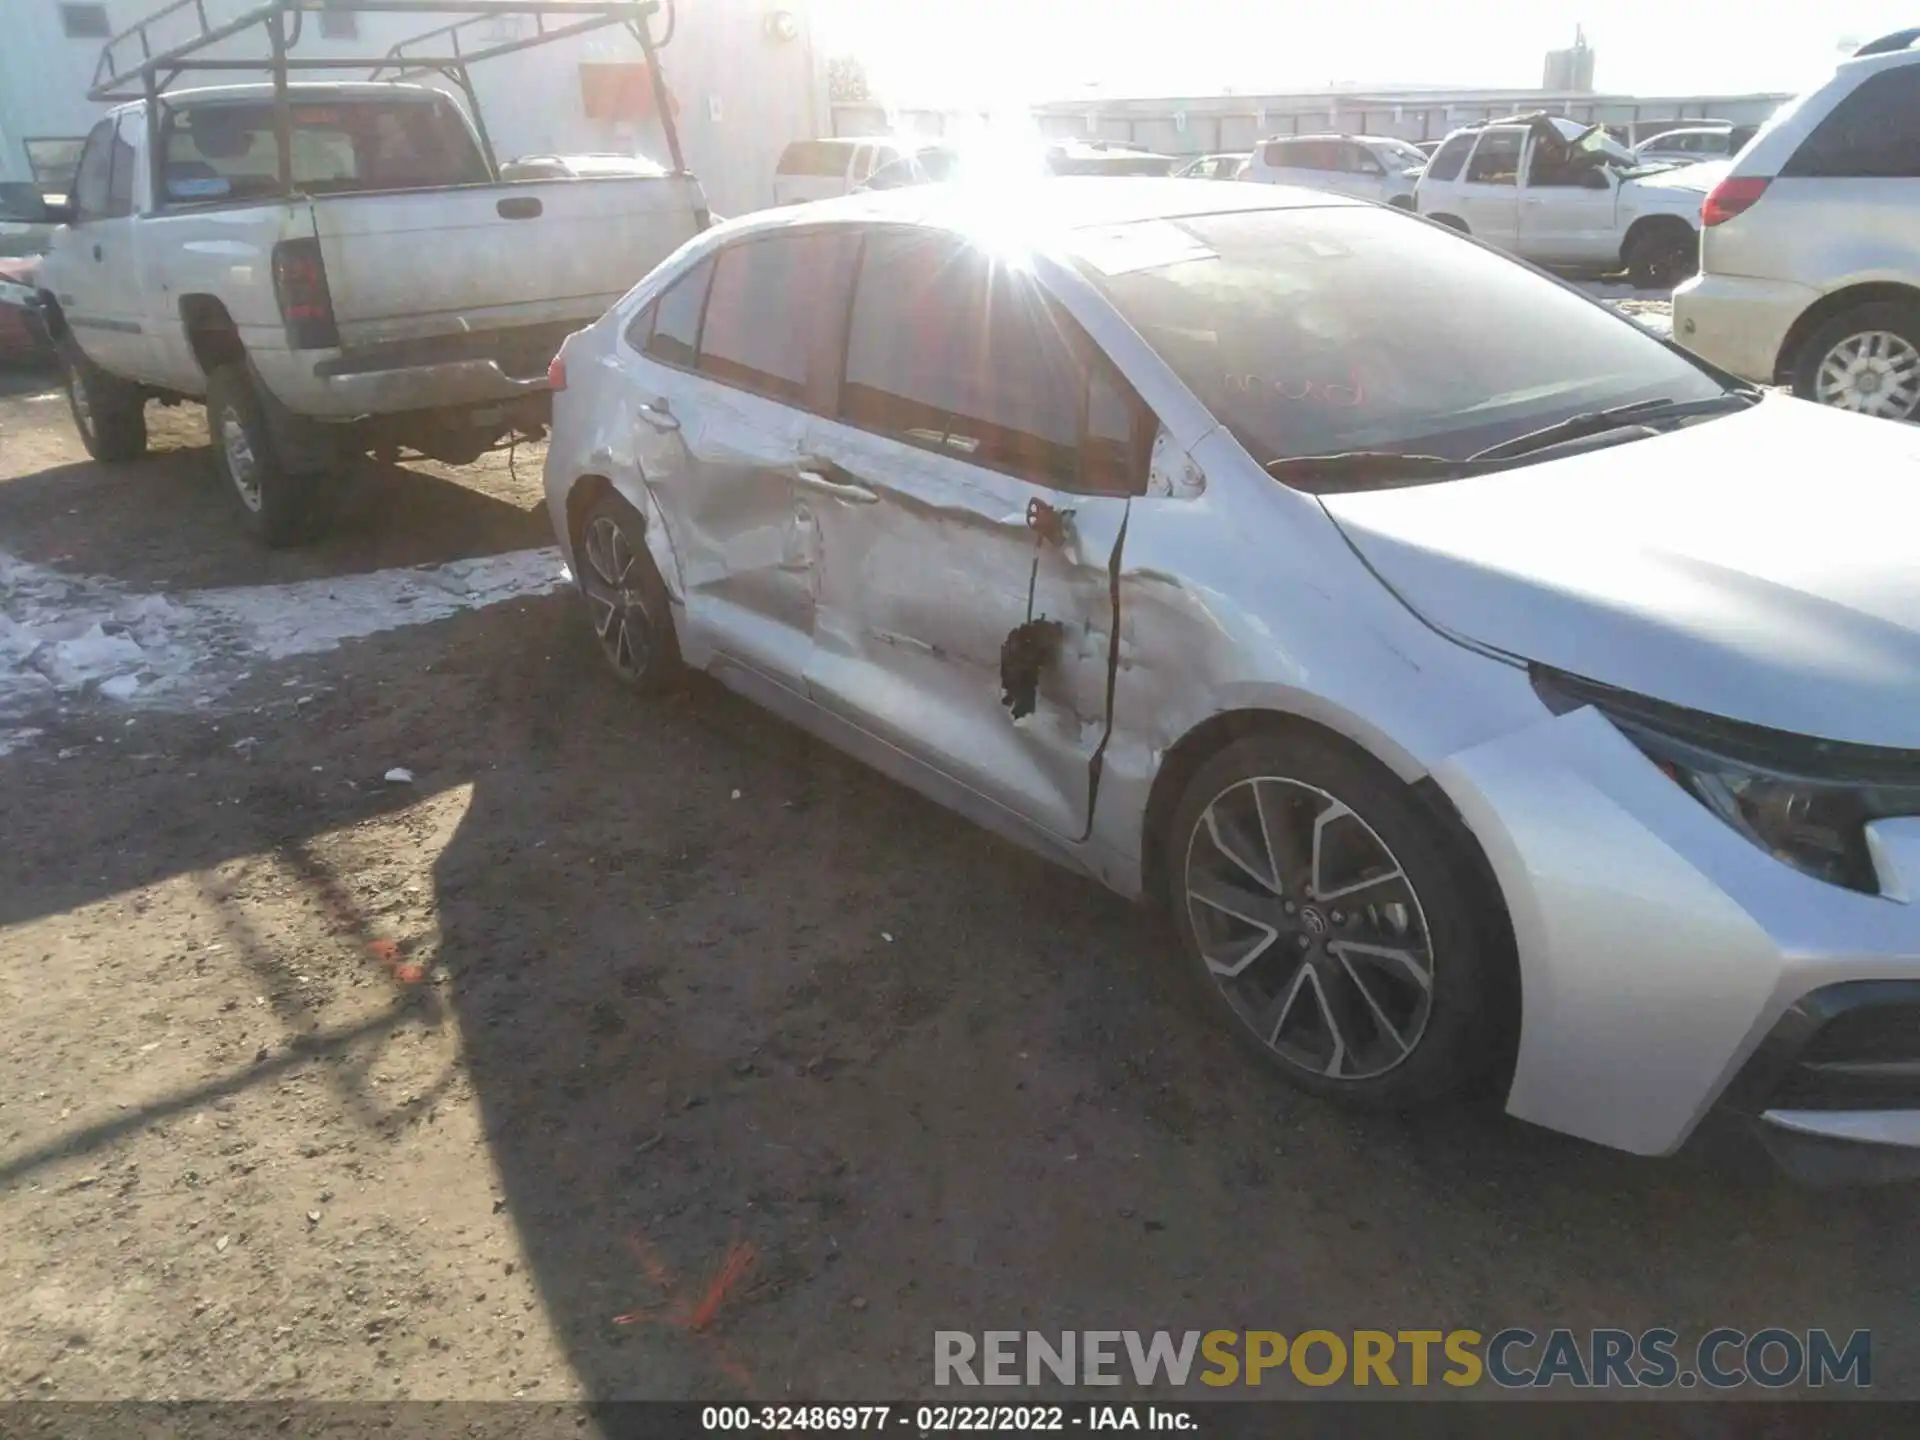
(652, 1050)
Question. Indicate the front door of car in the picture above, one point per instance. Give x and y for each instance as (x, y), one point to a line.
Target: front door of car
(1489, 194)
(724, 368)
(971, 497)
(1566, 209)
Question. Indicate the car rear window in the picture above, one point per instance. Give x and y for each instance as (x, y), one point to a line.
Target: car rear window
(1869, 135)
(813, 157)
(228, 152)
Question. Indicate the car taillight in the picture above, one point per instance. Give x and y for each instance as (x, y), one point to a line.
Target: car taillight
(306, 305)
(557, 372)
(1732, 196)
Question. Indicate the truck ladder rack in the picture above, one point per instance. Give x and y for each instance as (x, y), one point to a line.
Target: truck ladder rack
(119, 75)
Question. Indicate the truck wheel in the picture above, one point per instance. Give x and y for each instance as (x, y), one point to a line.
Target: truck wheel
(110, 414)
(1661, 256)
(278, 507)
(1866, 359)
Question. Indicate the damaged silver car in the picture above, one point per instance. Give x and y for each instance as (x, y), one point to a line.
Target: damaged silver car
(1486, 689)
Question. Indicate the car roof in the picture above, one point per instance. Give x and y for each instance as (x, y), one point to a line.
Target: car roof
(1047, 209)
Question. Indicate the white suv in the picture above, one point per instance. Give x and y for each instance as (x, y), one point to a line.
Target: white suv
(1810, 253)
(1367, 167)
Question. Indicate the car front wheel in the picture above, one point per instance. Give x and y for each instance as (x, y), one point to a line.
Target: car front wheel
(110, 414)
(1329, 924)
(1866, 359)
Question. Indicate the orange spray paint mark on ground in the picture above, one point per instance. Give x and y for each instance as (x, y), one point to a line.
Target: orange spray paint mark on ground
(734, 1266)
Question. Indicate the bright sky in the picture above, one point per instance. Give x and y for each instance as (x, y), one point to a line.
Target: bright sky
(991, 52)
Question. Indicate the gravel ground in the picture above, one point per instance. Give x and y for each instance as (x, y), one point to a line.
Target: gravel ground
(650, 1049)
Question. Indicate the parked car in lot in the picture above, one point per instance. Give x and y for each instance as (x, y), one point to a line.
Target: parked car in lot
(578, 167)
(1416, 630)
(823, 169)
(24, 236)
(1001, 163)
(1214, 167)
(1694, 144)
(1367, 167)
(1810, 261)
(1560, 193)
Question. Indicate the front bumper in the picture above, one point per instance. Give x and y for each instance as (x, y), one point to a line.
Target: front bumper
(1739, 323)
(1658, 949)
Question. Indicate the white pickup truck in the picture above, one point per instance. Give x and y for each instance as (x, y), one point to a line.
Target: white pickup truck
(1564, 194)
(393, 293)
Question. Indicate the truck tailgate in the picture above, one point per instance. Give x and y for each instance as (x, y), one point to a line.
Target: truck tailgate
(420, 264)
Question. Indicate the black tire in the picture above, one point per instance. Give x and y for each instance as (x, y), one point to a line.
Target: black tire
(1661, 256)
(278, 507)
(1404, 1043)
(627, 601)
(110, 414)
(1893, 317)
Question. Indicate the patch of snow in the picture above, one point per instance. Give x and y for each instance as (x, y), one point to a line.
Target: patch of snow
(65, 638)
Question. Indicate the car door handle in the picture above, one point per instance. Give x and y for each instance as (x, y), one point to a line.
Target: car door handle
(658, 415)
(98, 253)
(824, 477)
(520, 207)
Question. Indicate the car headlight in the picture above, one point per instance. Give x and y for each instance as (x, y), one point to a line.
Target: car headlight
(1804, 801)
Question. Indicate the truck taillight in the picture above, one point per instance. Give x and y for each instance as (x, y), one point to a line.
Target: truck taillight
(1732, 196)
(306, 305)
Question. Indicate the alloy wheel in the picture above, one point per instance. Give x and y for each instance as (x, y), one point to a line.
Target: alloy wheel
(614, 598)
(1874, 373)
(1310, 928)
(243, 466)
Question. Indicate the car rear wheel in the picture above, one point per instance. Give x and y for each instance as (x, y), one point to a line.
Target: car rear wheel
(279, 507)
(110, 414)
(1325, 918)
(1866, 360)
(626, 599)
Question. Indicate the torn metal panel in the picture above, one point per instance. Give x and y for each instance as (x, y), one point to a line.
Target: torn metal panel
(894, 652)
(724, 481)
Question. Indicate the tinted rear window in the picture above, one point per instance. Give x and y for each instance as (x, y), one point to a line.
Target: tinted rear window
(1869, 135)
(228, 151)
(814, 157)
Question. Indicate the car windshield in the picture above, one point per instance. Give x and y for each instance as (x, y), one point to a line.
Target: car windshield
(1326, 330)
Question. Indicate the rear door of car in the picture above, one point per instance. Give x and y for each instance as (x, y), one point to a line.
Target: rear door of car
(1488, 196)
(722, 371)
(976, 478)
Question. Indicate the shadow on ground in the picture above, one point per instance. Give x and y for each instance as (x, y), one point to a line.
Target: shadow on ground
(782, 1069)
(169, 521)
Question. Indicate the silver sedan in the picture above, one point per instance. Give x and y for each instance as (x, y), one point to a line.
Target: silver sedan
(1487, 691)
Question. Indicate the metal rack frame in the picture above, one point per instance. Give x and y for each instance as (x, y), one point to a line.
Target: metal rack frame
(284, 20)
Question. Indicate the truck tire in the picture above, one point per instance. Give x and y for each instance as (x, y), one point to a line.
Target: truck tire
(1662, 254)
(110, 414)
(278, 507)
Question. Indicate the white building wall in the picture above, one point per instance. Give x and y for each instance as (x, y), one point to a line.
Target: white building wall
(743, 93)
